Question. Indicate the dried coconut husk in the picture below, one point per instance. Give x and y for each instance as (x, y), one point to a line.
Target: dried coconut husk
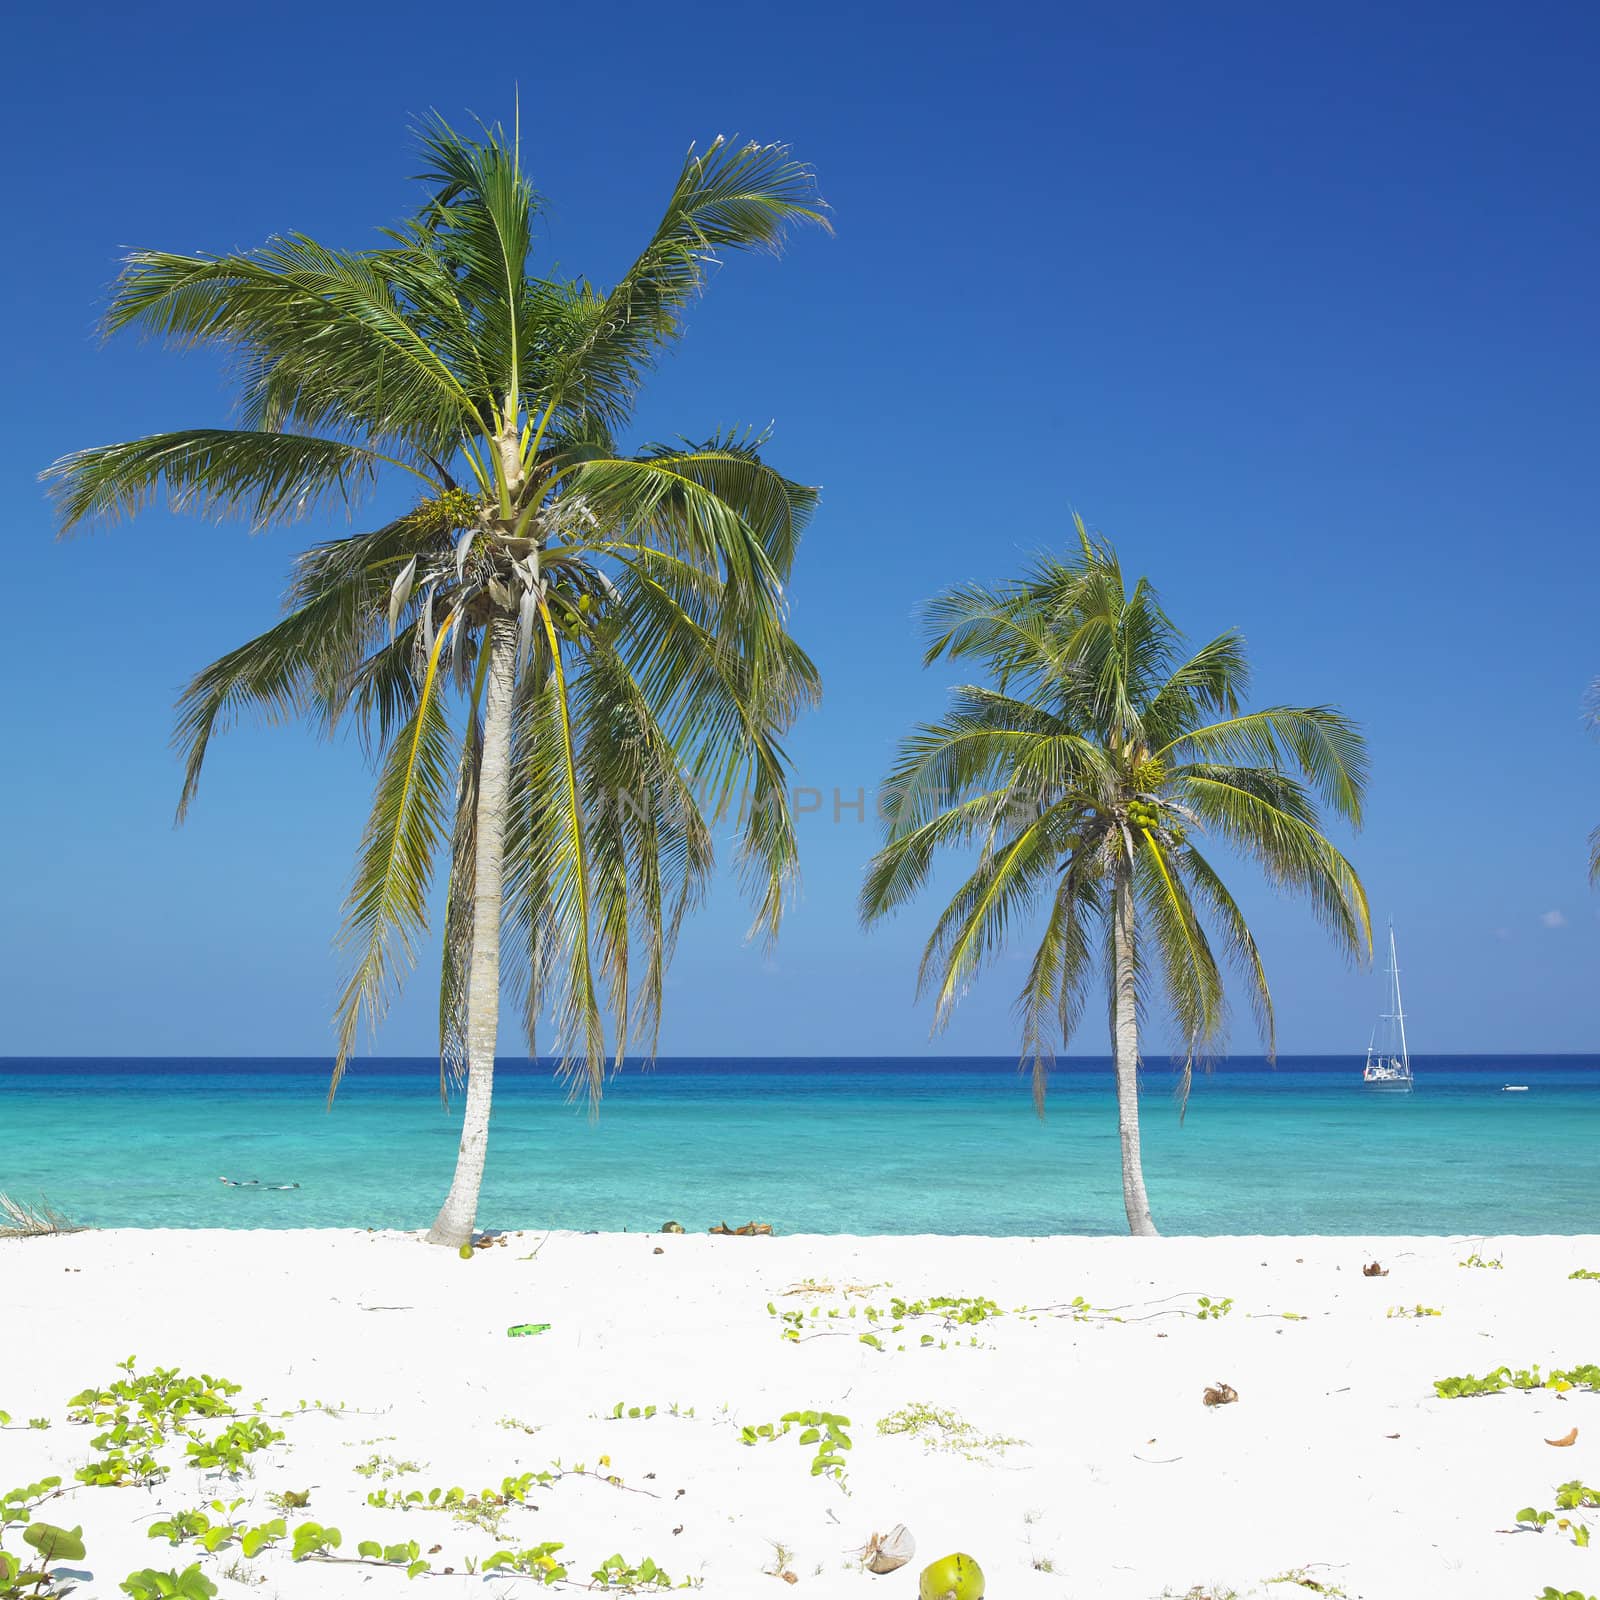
(888, 1552)
(1223, 1394)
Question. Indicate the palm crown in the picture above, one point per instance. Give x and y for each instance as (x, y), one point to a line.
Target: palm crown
(598, 635)
(1086, 775)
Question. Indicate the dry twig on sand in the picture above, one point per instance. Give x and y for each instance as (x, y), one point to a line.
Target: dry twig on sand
(19, 1220)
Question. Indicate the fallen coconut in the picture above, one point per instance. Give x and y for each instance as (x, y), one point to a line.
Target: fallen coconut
(956, 1577)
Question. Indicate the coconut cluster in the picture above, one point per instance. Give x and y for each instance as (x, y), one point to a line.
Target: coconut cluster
(449, 512)
(1148, 818)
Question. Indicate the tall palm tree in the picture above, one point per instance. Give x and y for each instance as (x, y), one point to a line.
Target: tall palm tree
(567, 658)
(1084, 775)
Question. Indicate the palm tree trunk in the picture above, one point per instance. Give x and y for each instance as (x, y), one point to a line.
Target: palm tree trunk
(1125, 1044)
(453, 1226)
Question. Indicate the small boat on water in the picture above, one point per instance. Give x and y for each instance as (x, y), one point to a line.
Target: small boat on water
(1513, 1088)
(1388, 1064)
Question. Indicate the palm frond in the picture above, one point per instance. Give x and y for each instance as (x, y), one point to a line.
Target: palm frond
(1238, 942)
(320, 333)
(386, 911)
(732, 197)
(578, 1023)
(213, 473)
(1290, 850)
(481, 216)
(1187, 964)
(1053, 995)
(1324, 743)
(1004, 886)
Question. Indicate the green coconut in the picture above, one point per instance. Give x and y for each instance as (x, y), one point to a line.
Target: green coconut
(465, 1252)
(956, 1577)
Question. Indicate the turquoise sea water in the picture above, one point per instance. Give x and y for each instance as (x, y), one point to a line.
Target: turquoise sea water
(815, 1146)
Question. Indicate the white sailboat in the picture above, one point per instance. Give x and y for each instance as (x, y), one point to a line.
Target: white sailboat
(1388, 1060)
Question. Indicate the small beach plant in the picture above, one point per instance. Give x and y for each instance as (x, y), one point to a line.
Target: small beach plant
(615, 1573)
(149, 1584)
(825, 1430)
(1570, 1497)
(569, 658)
(1084, 774)
(537, 1562)
(941, 1428)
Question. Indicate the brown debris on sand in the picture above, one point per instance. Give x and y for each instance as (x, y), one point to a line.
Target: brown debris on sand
(749, 1230)
(1223, 1394)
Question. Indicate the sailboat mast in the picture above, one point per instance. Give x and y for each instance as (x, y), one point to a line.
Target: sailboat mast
(1399, 1009)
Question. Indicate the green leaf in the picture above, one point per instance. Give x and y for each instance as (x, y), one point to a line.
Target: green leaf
(53, 1543)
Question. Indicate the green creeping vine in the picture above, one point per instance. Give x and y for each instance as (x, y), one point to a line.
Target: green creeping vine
(538, 1563)
(1207, 1308)
(1467, 1386)
(512, 1492)
(395, 1555)
(1553, 1593)
(824, 1429)
(148, 1584)
(621, 1412)
(160, 1397)
(17, 1505)
(615, 1573)
(230, 1447)
(385, 1467)
(1418, 1310)
(940, 1428)
(198, 1527)
(1571, 1496)
(137, 1413)
(312, 1539)
(1494, 1263)
(953, 1311)
(1583, 1272)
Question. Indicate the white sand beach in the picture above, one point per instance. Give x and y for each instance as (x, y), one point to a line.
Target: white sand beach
(1338, 1466)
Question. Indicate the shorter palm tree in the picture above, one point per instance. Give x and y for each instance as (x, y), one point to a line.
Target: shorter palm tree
(1084, 775)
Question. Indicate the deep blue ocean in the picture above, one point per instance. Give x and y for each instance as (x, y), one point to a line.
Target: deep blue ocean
(815, 1146)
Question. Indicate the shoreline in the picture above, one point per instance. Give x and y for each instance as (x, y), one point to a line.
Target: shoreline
(1091, 1464)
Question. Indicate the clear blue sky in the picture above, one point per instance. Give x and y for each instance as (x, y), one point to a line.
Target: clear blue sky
(1298, 304)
